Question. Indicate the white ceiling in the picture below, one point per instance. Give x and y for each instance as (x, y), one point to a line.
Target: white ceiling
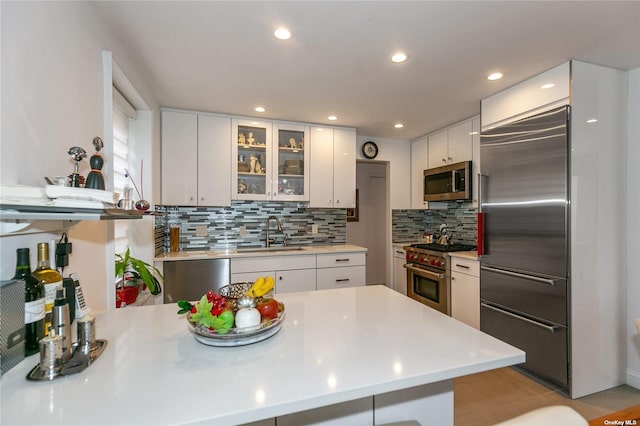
(222, 57)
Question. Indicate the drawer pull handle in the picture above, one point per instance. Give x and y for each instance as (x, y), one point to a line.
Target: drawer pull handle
(342, 280)
(399, 252)
(462, 266)
(518, 275)
(342, 260)
(549, 328)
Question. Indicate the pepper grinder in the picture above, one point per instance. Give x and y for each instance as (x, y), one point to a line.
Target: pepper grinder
(61, 321)
(95, 179)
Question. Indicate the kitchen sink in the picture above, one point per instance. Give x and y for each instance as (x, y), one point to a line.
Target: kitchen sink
(269, 249)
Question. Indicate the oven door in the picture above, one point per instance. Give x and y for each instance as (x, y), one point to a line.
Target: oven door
(429, 287)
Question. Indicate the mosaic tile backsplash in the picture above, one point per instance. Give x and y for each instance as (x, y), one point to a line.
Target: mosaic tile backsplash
(223, 224)
(461, 220)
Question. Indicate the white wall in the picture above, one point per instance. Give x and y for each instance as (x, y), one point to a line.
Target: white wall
(398, 153)
(52, 99)
(633, 228)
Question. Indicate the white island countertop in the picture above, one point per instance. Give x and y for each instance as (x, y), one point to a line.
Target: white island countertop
(334, 346)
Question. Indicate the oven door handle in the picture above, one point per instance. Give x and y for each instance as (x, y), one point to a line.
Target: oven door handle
(421, 271)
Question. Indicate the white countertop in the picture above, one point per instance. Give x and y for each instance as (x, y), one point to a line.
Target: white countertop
(274, 251)
(334, 346)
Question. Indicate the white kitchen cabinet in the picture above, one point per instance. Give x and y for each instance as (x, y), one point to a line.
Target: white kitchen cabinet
(291, 273)
(465, 290)
(451, 145)
(419, 154)
(333, 167)
(286, 281)
(251, 160)
(543, 92)
(270, 161)
(337, 270)
(192, 146)
(399, 272)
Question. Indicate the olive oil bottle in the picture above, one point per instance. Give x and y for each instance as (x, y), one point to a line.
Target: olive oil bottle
(34, 306)
(51, 279)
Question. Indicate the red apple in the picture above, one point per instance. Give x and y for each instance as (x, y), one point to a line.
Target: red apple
(268, 309)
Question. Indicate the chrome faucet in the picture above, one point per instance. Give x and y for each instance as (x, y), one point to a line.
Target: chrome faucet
(278, 224)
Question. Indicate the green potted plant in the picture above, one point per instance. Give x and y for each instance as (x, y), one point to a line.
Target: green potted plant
(131, 274)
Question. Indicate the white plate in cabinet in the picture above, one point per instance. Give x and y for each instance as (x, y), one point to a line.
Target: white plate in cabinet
(349, 276)
(336, 260)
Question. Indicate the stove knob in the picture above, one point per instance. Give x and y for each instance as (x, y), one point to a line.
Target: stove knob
(438, 263)
(433, 262)
(421, 260)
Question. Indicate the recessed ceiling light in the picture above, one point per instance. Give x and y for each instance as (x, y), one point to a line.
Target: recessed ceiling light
(399, 57)
(332, 117)
(398, 125)
(494, 76)
(547, 86)
(260, 109)
(282, 34)
(592, 120)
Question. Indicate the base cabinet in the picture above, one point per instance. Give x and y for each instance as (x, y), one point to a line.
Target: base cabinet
(303, 272)
(465, 291)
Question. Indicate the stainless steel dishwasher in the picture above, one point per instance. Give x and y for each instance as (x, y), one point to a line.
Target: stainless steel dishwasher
(191, 279)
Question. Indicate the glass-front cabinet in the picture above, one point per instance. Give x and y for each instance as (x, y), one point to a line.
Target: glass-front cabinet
(291, 162)
(252, 164)
(270, 161)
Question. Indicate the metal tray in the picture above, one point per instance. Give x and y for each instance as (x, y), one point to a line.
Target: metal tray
(79, 360)
(237, 336)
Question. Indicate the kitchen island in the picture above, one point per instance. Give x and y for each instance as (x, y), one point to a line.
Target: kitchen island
(344, 355)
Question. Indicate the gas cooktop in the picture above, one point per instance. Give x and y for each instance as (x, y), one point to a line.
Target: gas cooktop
(444, 247)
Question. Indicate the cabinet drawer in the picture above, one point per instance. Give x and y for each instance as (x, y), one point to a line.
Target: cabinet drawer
(350, 276)
(272, 263)
(336, 260)
(465, 266)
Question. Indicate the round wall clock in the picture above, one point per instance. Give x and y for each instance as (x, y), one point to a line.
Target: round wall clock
(370, 150)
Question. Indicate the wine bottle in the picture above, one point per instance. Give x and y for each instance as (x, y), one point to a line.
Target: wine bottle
(51, 279)
(34, 311)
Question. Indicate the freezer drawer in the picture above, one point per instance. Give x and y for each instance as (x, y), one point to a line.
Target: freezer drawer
(545, 344)
(191, 279)
(541, 297)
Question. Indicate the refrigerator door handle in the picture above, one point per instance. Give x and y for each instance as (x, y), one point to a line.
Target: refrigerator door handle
(480, 242)
(548, 281)
(549, 328)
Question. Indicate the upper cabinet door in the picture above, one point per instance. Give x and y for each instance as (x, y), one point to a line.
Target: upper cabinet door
(438, 152)
(321, 170)
(460, 145)
(290, 178)
(179, 156)
(251, 162)
(344, 168)
(214, 165)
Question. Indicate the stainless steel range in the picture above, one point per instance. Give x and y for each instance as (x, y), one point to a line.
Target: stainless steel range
(428, 277)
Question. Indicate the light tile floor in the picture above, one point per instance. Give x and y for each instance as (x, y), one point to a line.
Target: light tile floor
(494, 396)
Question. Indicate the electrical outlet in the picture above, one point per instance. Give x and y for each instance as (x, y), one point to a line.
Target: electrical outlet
(201, 231)
(243, 231)
(314, 228)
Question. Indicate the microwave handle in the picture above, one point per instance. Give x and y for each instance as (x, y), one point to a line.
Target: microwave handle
(453, 181)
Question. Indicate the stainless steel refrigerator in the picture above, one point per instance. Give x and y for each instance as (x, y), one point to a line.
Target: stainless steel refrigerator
(524, 275)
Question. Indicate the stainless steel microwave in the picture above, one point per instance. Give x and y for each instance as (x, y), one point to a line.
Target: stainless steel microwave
(450, 182)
